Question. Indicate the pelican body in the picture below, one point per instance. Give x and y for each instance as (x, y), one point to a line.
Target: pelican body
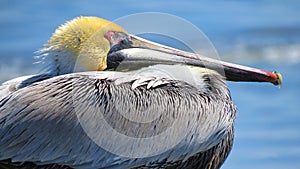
(99, 75)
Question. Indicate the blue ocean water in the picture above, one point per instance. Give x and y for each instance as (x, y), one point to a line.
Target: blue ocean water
(264, 34)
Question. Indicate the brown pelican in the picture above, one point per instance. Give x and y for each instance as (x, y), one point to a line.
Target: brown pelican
(165, 108)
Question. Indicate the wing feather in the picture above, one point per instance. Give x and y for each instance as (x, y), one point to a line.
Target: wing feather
(40, 122)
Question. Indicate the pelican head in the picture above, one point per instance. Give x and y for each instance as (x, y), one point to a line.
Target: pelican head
(95, 44)
(80, 42)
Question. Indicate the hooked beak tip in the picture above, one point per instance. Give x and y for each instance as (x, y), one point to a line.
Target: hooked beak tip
(278, 79)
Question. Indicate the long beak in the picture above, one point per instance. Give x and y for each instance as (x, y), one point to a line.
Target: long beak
(144, 51)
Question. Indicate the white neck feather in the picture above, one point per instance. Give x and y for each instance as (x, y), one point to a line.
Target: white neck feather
(58, 62)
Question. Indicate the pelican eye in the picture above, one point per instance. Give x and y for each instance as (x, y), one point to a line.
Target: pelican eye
(110, 36)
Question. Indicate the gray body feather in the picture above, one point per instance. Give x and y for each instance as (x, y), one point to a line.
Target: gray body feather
(42, 123)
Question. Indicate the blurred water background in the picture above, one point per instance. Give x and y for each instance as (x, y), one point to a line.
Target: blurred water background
(260, 33)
